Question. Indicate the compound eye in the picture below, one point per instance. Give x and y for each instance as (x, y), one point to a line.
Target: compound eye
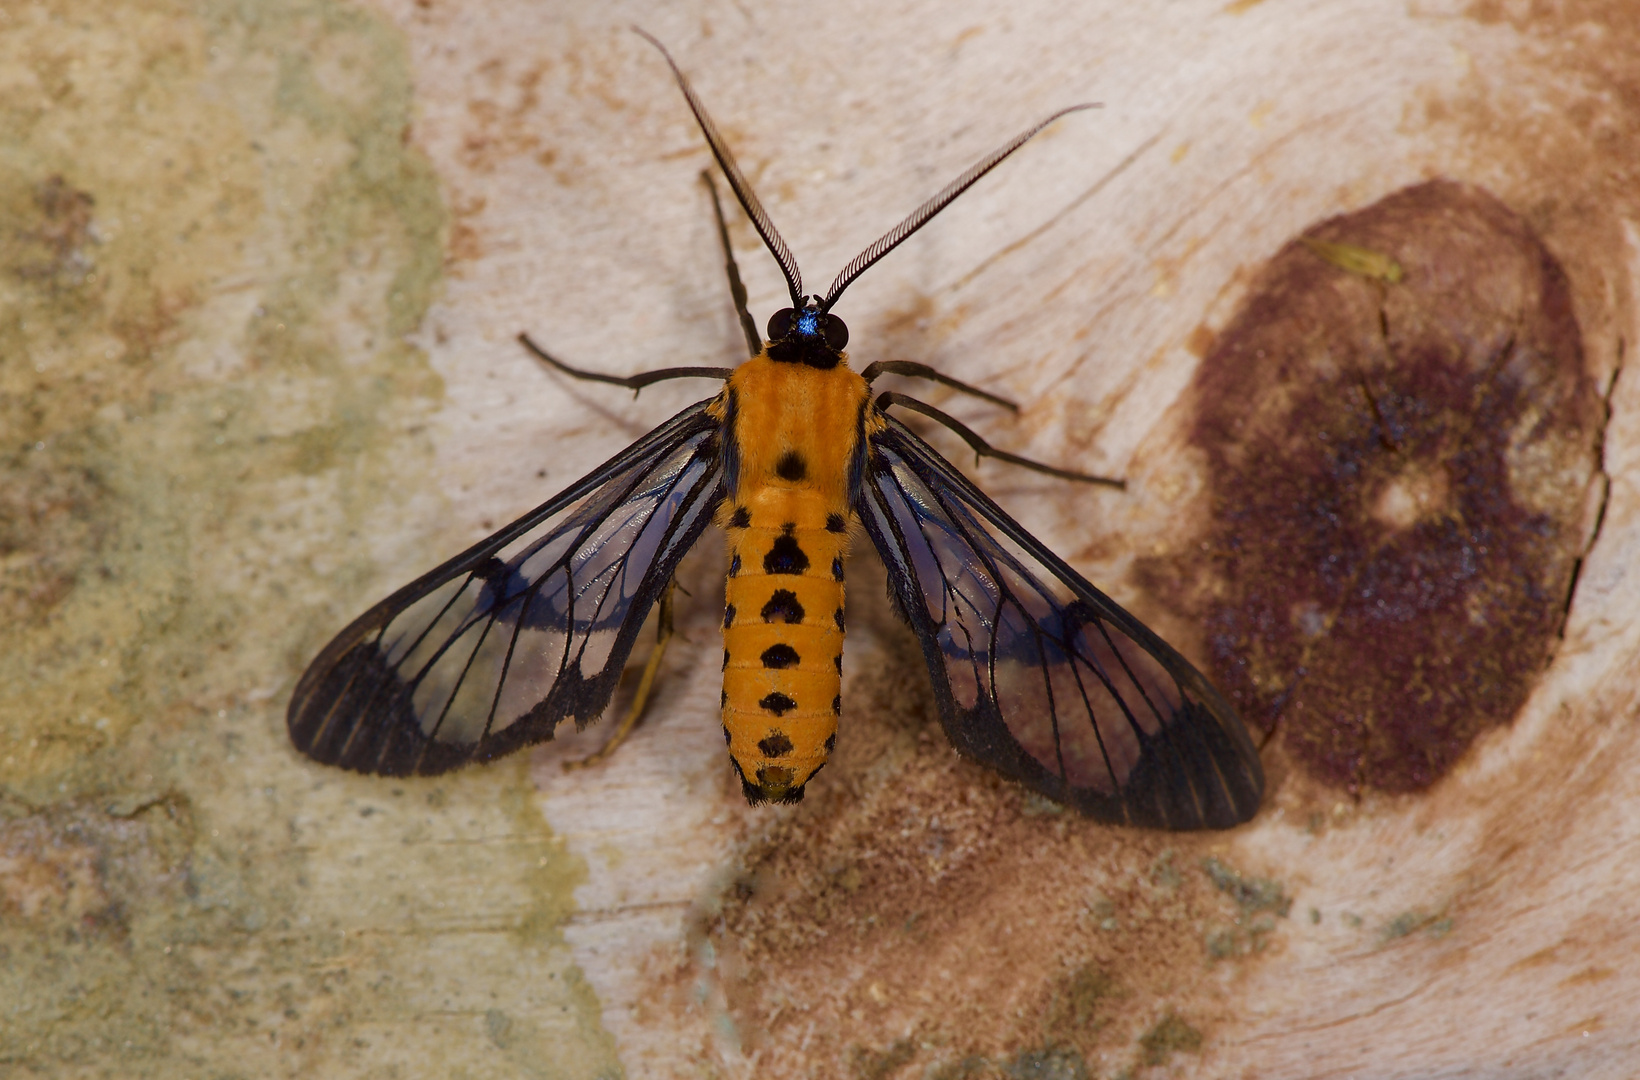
(780, 324)
(835, 331)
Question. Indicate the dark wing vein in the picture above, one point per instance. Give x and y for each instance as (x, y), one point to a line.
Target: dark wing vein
(1037, 673)
(492, 650)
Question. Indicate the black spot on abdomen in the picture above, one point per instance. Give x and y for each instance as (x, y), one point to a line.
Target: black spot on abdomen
(775, 744)
(782, 607)
(786, 556)
(780, 655)
(777, 703)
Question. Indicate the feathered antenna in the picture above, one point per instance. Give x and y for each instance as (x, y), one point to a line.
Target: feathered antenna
(737, 179)
(886, 243)
(919, 217)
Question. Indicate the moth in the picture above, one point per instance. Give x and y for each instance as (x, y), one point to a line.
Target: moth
(1036, 673)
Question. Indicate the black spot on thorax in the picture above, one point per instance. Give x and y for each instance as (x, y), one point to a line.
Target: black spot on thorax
(835, 523)
(791, 466)
(741, 518)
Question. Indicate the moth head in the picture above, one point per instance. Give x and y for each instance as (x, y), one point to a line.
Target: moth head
(807, 335)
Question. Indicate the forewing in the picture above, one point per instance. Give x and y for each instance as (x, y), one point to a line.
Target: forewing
(1038, 674)
(532, 626)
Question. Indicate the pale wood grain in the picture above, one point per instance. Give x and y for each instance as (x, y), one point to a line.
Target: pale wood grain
(1071, 281)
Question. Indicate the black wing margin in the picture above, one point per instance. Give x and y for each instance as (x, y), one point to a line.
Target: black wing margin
(1037, 673)
(492, 650)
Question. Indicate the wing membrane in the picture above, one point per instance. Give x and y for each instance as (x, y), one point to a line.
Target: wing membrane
(1040, 675)
(492, 650)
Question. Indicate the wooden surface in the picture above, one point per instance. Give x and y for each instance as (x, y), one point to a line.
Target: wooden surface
(292, 386)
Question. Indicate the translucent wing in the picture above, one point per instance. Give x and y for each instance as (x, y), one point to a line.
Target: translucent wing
(493, 649)
(1038, 674)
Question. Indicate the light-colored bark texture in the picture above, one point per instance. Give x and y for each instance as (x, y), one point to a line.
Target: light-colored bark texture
(264, 265)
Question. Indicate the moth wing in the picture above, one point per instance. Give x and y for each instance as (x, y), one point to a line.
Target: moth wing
(492, 650)
(1037, 673)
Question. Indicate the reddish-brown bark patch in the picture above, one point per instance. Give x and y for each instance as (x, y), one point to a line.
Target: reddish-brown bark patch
(1400, 437)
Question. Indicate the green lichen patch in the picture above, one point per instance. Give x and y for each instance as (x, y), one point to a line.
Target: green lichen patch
(1075, 1006)
(1251, 894)
(217, 236)
(1410, 922)
(1047, 1063)
(1168, 1036)
(869, 1064)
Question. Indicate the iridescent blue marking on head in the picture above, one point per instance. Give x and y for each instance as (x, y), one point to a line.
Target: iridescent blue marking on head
(808, 322)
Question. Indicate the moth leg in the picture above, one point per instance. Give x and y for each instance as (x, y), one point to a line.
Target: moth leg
(982, 448)
(912, 369)
(646, 683)
(631, 382)
(737, 289)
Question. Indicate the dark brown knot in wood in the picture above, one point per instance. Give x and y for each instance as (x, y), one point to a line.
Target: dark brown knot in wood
(1403, 449)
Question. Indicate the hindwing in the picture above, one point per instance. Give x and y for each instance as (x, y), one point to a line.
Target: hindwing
(1038, 674)
(532, 626)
